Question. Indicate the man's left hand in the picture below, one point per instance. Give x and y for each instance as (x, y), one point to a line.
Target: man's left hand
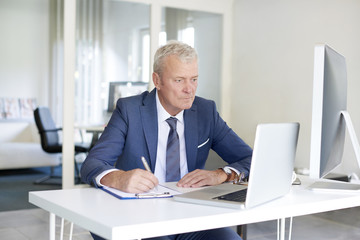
(199, 178)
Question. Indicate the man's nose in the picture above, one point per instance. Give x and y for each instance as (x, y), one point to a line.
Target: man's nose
(189, 86)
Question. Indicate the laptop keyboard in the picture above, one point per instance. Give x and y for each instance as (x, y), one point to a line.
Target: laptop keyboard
(238, 196)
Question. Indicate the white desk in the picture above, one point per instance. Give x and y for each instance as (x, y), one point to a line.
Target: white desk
(112, 218)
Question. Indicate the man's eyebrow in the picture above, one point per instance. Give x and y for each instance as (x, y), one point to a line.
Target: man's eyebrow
(182, 77)
(195, 76)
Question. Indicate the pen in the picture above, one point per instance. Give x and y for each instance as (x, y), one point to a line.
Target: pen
(146, 165)
(153, 195)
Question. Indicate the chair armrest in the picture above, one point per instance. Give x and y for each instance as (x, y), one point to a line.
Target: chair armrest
(51, 130)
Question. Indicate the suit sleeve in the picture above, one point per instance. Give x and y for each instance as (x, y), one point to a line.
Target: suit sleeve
(105, 153)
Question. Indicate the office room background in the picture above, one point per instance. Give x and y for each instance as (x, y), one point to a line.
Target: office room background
(269, 48)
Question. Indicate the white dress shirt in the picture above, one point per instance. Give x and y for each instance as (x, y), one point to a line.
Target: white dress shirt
(163, 132)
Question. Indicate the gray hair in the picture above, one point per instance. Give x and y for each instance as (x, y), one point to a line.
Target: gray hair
(182, 50)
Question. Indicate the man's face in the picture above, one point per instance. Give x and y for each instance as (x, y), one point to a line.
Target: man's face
(177, 85)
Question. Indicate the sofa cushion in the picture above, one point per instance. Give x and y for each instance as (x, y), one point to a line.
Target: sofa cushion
(25, 155)
(18, 131)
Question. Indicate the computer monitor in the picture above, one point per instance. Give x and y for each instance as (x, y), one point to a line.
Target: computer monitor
(329, 113)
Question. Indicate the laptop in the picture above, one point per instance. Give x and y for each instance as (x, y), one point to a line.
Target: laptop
(270, 175)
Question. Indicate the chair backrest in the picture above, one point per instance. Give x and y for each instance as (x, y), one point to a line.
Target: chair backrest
(47, 130)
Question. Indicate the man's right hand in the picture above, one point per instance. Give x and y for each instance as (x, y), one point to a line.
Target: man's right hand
(133, 181)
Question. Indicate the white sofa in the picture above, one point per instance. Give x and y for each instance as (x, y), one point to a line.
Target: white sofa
(20, 146)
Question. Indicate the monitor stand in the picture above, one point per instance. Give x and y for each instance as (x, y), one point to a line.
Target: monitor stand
(351, 131)
(338, 186)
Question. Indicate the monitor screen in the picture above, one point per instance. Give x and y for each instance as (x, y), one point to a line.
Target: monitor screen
(124, 89)
(329, 100)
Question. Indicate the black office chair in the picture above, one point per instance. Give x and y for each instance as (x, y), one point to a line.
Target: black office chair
(49, 136)
(242, 231)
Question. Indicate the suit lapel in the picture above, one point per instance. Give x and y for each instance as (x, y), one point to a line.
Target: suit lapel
(191, 136)
(150, 125)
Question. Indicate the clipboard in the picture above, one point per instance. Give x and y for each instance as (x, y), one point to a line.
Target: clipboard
(161, 192)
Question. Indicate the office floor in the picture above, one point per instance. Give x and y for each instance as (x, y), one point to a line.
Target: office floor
(338, 225)
(15, 185)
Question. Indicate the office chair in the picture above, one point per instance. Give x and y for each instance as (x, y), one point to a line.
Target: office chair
(242, 231)
(49, 136)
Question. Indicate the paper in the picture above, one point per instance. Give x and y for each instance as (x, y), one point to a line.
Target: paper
(160, 192)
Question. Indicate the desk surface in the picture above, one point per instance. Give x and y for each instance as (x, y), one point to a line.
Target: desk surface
(112, 218)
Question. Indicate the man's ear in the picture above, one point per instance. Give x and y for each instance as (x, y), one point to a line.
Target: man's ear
(156, 80)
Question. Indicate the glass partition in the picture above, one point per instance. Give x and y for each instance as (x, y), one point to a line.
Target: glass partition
(203, 31)
(112, 44)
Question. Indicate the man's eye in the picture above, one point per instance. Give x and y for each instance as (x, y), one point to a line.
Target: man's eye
(194, 79)
(177, 80)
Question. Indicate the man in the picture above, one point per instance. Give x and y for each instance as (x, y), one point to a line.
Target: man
(140, 126)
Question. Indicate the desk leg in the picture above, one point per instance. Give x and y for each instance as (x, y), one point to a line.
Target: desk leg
(281, 225)
(71, 230)
(62, 229)
(282, 228)
(290, 227)
(52, 227)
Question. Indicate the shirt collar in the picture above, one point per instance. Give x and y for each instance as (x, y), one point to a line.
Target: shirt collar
(163, 114)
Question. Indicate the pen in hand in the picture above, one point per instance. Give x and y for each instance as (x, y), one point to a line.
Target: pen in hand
(146, 165)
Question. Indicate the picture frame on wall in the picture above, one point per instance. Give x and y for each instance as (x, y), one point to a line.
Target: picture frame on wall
(12, 108)
(2, 113)
(27, 107)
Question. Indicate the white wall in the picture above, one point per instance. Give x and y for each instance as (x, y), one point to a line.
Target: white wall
(24, 49)
(273, 64)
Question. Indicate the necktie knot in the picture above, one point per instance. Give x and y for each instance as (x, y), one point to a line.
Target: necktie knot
(172, 122)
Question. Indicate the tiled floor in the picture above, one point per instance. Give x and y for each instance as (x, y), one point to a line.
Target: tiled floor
(336, 225)
(33, 224)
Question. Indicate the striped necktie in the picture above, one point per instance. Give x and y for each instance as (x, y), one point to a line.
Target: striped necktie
(172, 153)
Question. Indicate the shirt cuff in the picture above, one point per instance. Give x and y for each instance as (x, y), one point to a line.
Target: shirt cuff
(101, 175)
(234, 169)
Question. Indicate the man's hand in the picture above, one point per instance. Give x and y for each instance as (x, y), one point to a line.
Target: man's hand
(133, 181)
(199, 178)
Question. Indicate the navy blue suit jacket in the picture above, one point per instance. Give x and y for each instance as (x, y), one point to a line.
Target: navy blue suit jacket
(132, 132)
